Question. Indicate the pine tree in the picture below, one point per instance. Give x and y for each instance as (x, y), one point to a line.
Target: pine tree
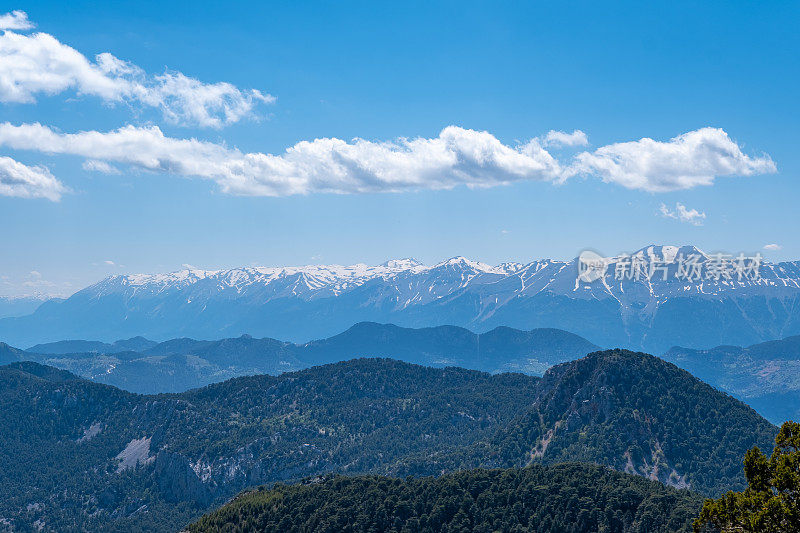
(771, 501)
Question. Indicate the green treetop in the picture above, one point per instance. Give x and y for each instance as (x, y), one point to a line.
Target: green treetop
(771, 501)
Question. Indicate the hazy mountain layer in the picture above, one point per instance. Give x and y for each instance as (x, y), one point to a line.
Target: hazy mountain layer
(20, 306)
(139, 365)
(765, 375)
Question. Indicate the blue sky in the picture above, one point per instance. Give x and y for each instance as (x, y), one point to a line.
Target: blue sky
(618, 72)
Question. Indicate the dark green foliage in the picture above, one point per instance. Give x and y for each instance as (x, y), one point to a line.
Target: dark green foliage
(363, 415)
(564, 498)
(62, 435)
(771, 501)
(637, 413)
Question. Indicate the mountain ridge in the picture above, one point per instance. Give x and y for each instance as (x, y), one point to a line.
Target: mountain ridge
(304, 303)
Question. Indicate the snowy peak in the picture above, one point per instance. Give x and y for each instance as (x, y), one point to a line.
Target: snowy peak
(510, 267)
(310, 276)
(401, 264)
(404, 283)
(462, 262)
(662, 253)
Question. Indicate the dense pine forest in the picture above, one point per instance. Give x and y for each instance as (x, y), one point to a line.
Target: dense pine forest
(564, 498)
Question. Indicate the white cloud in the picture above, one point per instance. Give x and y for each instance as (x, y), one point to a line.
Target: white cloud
(682, 213)
(109, 262)
(561, 138)
(93, 165)
(773, 247)
(23, 181)
(455, 157)
(39, 64)
(39, 285)
(16, 20)
(686, 161)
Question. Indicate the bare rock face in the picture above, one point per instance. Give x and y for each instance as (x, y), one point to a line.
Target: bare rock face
(177, 481)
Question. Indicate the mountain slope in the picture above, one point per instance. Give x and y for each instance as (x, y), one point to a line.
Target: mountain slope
(56, 434)
(9, 354)
(638, 414)
(567, 497)
(80, 455)
(304, 303)
(765, 375)
(181, 364)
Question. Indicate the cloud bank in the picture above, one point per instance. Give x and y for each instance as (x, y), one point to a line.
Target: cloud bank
(38, 64)
(457, 156)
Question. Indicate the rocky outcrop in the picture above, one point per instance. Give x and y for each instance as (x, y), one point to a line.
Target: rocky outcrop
(177, 481)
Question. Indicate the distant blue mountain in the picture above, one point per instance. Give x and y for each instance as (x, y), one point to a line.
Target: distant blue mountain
(766, 376)
(304, 303)
(135, 344)
(181, 364)
(19, 306)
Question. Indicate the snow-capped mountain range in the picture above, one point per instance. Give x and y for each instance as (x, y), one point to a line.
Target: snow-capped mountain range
(652, 311)
(19, 305)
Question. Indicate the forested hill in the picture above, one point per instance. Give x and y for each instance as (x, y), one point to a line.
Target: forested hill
(638, 414)
(557, 499)
(78, 455)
